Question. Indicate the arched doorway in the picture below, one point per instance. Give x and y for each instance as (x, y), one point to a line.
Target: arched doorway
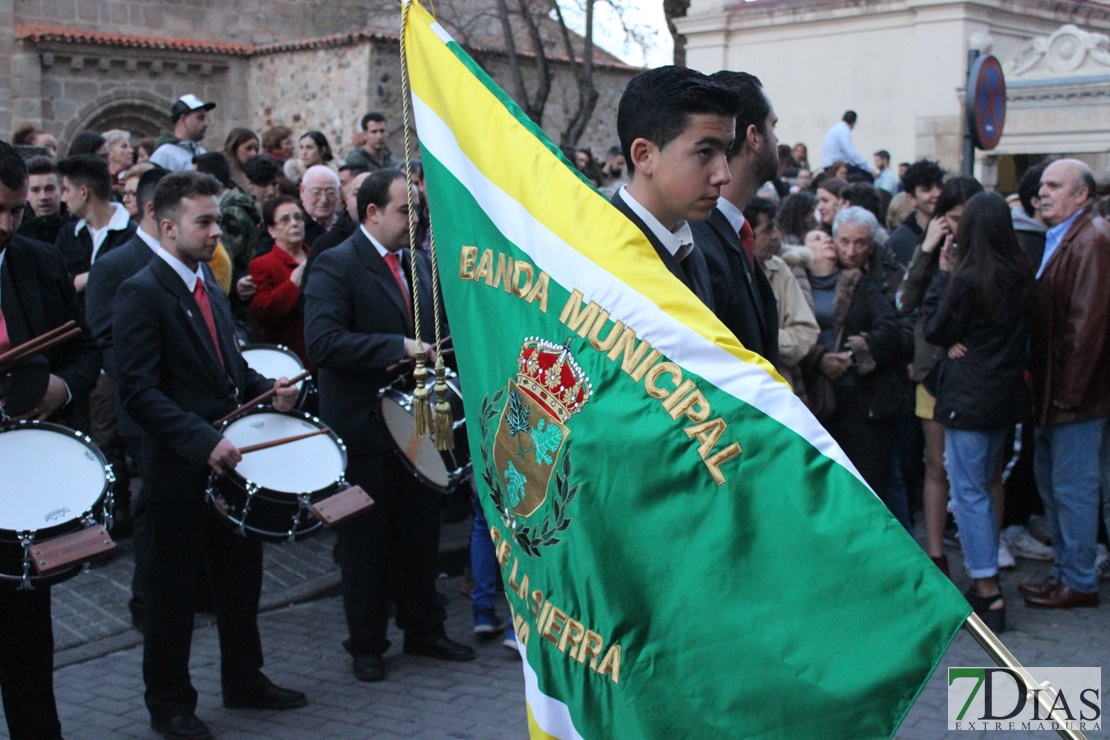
(143, 114)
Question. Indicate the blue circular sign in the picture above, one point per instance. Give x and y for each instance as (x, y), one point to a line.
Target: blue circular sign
(986, 102)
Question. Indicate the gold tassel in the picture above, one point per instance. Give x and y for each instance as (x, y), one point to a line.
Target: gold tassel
(421, 404)
(445, 421)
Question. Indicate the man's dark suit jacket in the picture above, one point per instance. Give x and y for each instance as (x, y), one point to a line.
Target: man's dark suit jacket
(355, 327)
(37, 295)
(330, 239)
(170, 379)
(105, 277)
(742, 295)
(692, 271)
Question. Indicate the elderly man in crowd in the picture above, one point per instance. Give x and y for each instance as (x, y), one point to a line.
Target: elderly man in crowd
(1071, 380)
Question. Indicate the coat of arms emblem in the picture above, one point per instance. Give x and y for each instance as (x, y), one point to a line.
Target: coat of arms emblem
(528, 448)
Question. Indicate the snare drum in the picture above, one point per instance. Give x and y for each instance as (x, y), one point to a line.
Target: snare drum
(441, 471)
(55, 481)
(271, 492)
(276, 361)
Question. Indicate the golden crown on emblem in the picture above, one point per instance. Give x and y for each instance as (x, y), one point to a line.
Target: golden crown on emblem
(552, 377)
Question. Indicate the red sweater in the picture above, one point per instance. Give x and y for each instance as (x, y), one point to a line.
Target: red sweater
(276, 305)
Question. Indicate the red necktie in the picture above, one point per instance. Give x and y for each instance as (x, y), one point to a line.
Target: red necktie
(394, 263)
(201, 297)
(747, 237)
(5, 341)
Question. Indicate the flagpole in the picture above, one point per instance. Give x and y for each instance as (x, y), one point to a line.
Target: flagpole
(1005, 659)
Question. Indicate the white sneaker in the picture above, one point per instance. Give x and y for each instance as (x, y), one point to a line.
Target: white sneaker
(1024, 545)
(1005, 558)
(1102, 563)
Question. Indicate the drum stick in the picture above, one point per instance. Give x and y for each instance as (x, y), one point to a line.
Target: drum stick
(261, 399)
(276, 442)
(36, 346)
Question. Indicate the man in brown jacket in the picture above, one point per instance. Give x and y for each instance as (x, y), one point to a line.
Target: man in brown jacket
(1071, 380)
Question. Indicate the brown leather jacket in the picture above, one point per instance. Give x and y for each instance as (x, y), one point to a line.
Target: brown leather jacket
(1071, 329)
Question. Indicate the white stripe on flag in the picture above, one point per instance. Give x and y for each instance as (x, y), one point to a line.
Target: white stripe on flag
(551, 715)
(568, 267)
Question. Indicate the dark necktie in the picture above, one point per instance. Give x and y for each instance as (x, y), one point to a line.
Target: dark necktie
(394, 263)
(747, 237)
(201, 297)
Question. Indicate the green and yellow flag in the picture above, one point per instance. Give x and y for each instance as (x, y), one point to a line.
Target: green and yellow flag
(685, 550)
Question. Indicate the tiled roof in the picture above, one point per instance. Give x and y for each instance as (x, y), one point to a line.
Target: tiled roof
(61, 34)
(133, 41)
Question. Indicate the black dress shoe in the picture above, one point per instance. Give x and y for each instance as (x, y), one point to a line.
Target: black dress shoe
(369, 667)
(181, 727)
(440, 648)
(271, 697)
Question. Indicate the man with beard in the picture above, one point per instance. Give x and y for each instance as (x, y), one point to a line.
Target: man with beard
(742, 295)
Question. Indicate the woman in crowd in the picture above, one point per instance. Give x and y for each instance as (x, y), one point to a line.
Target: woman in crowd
(923, 268)
(801, 157)
(853, 375)
(120, 156)
(88, 142)
(276, 306)
(31, 135)
(145, 148)
(241, 144)
(797, 217)
(312, 149)
(277, 143)
(979, 305)
(829, 201)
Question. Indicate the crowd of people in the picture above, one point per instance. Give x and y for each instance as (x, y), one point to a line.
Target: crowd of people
(953, 342)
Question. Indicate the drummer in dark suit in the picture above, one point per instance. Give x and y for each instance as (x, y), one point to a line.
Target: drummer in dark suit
(36, 295)
(179, 370)
(359, 323)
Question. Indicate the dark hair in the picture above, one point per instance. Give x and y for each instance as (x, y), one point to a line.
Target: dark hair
(148, 143)
(25, 134)
(988, 249)
(864, 195)
(956, 192)
(177, 186)
(923, 173)
(834, 185)
(655, 105)
(272, 137)
(86, 142)
(90, 171)
(752, 106)
(13, 170)
(1029, 186)
(1087, 180)
(355, 168)
(375, 190)
(795, 218)
(235, 139)
(371, 116)
(215, 164)
(41, 165)
(321, 143)
(849, 117)
(144, 189)
(269, 208)
(883, 154)
(261, 170)
(756, 207)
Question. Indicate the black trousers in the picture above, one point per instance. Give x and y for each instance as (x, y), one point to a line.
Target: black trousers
(27, 664)
(387, 553)
(176, 538)
(865, 443)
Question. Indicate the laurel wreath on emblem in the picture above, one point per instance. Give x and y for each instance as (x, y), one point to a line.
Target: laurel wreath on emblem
(530, 538)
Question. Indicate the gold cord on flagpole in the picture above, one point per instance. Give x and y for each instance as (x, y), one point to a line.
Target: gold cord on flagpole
(421, 406)
(1004, 658)
(441, 426)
